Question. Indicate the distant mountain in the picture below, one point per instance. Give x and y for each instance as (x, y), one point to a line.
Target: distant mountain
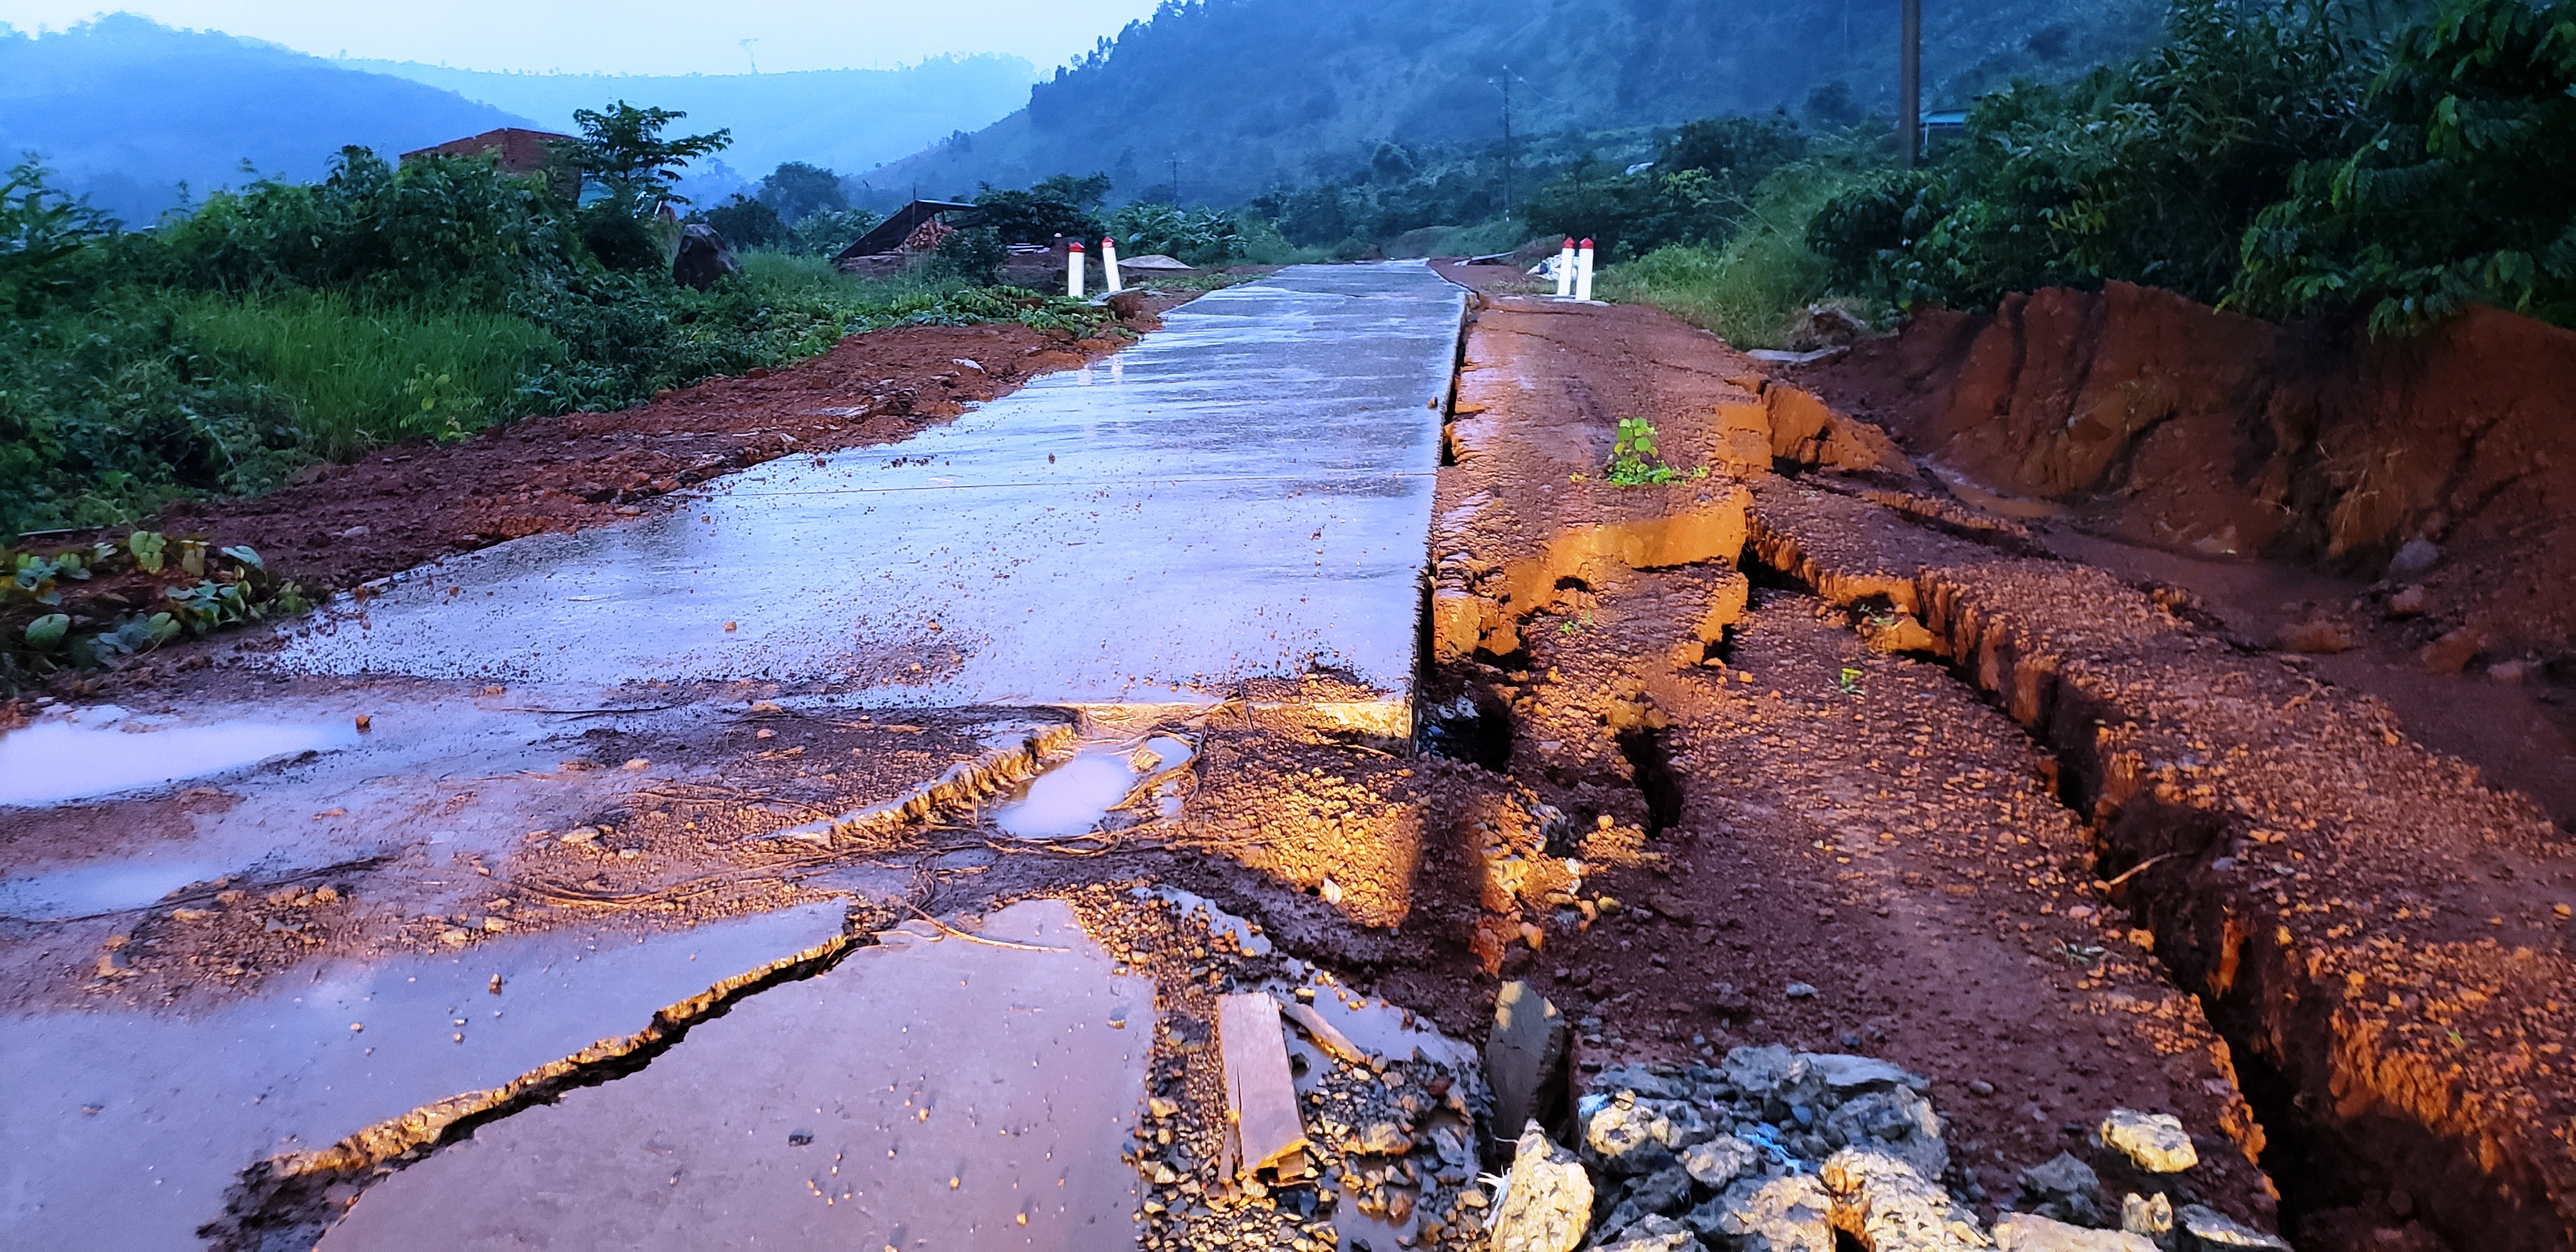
(126, 110)
(846, 120)
(1248, 93)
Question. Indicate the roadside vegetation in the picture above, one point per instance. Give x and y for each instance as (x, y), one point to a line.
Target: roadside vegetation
(220, 351)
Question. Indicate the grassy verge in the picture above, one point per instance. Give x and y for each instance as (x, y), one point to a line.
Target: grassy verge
(356, 379)
(1750, 291)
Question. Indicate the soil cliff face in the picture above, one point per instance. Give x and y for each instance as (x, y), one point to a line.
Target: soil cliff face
(2166, 422)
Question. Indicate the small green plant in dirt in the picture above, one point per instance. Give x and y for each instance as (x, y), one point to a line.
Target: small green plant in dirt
(1849, 683)
(1634, 461)
(218, 588)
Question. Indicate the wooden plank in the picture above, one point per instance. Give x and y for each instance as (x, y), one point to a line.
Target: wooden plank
(1260, 1094)
(1311, 1020)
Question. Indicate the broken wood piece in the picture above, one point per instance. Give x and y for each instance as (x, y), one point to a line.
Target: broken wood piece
(1311, 1020)
(1260, 1095)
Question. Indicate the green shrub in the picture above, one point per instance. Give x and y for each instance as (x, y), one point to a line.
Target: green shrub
(1751, 291)
(2148, 172)
(1202, 237)
(1696, 191)
(2466, 191)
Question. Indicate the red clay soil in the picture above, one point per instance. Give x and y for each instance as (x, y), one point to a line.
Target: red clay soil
(342, 525)
(2275, 472)
(2164, 422)
(2354, 956)
(1850, 851)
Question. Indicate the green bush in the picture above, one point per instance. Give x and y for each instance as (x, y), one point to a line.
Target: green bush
(1751, 291)
(2465, 191)
(1202, 237)
(2148, 172)
(1696, 192)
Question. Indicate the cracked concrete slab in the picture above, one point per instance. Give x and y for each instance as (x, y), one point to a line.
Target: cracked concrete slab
(929, 1092)
(151, 1116)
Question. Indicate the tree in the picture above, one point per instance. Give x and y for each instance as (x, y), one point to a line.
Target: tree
(747, 223)
(2465, 192)
(796, 189)
(622, 152)
(1062, 205)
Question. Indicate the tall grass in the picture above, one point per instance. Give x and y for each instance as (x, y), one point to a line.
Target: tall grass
(357, 378)
(1751, 291)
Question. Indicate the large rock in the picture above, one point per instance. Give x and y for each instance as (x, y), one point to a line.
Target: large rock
(1627, 1133)
(703, 258)
(1660, 1194)
(2200, 1229)
(1547, 1199)
(2156, 1141)
(1897, 1122)
(2065, 1190)
(2149, 1216)
(1717, 1163)
(1653, 1234)
(1852, 1075)
(2028, 1232)
(1525, 1057)
(1791, 1214)
(1880, 1199)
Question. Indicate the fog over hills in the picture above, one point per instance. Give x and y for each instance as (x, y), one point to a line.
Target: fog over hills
(1246, 93)
(848, 120)
(126, 110)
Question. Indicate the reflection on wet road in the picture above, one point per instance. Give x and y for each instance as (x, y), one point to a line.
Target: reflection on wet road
(1247, 494)
(931, 1092)
(149, 1117)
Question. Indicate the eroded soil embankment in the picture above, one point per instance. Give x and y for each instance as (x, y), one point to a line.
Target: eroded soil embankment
(2447, 460)
(2375, 934)
(2381, 937)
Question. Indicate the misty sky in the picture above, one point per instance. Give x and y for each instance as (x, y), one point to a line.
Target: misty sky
(633, 36)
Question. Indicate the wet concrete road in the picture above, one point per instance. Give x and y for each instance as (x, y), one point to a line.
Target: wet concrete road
(124, 1129)
(1243, 494)
(926, 1093)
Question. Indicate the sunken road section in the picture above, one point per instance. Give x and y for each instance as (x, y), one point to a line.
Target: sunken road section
(2379, 942)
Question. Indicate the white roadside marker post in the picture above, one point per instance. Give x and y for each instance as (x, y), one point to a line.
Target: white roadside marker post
(1073, 271)
(1109, 264)
(1565, 269)
(1583, 272)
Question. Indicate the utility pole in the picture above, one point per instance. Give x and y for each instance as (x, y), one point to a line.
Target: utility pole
(1507, 141)
(1909, 83)
(1176, 180)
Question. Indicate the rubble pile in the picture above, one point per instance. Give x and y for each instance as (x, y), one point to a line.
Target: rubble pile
(1773, 1150)
(1388, 1159)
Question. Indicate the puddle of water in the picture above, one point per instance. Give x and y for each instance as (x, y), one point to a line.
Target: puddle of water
(94, 889)
(102, 751)
(1072, 798)
(143, 1119)
(926, 1093)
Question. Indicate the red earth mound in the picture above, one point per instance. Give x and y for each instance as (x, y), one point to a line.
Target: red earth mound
(2445, 461)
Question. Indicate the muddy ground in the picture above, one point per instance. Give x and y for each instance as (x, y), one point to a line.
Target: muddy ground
(1807, 750)
(339, 526)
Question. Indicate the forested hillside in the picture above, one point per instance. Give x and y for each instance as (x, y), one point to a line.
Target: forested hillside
(126, 110)
(1250, 93)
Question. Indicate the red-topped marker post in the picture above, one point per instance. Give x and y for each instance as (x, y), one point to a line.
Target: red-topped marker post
(1109, 265)
(1583, 270)
(1565, 269)
(1073, 270)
